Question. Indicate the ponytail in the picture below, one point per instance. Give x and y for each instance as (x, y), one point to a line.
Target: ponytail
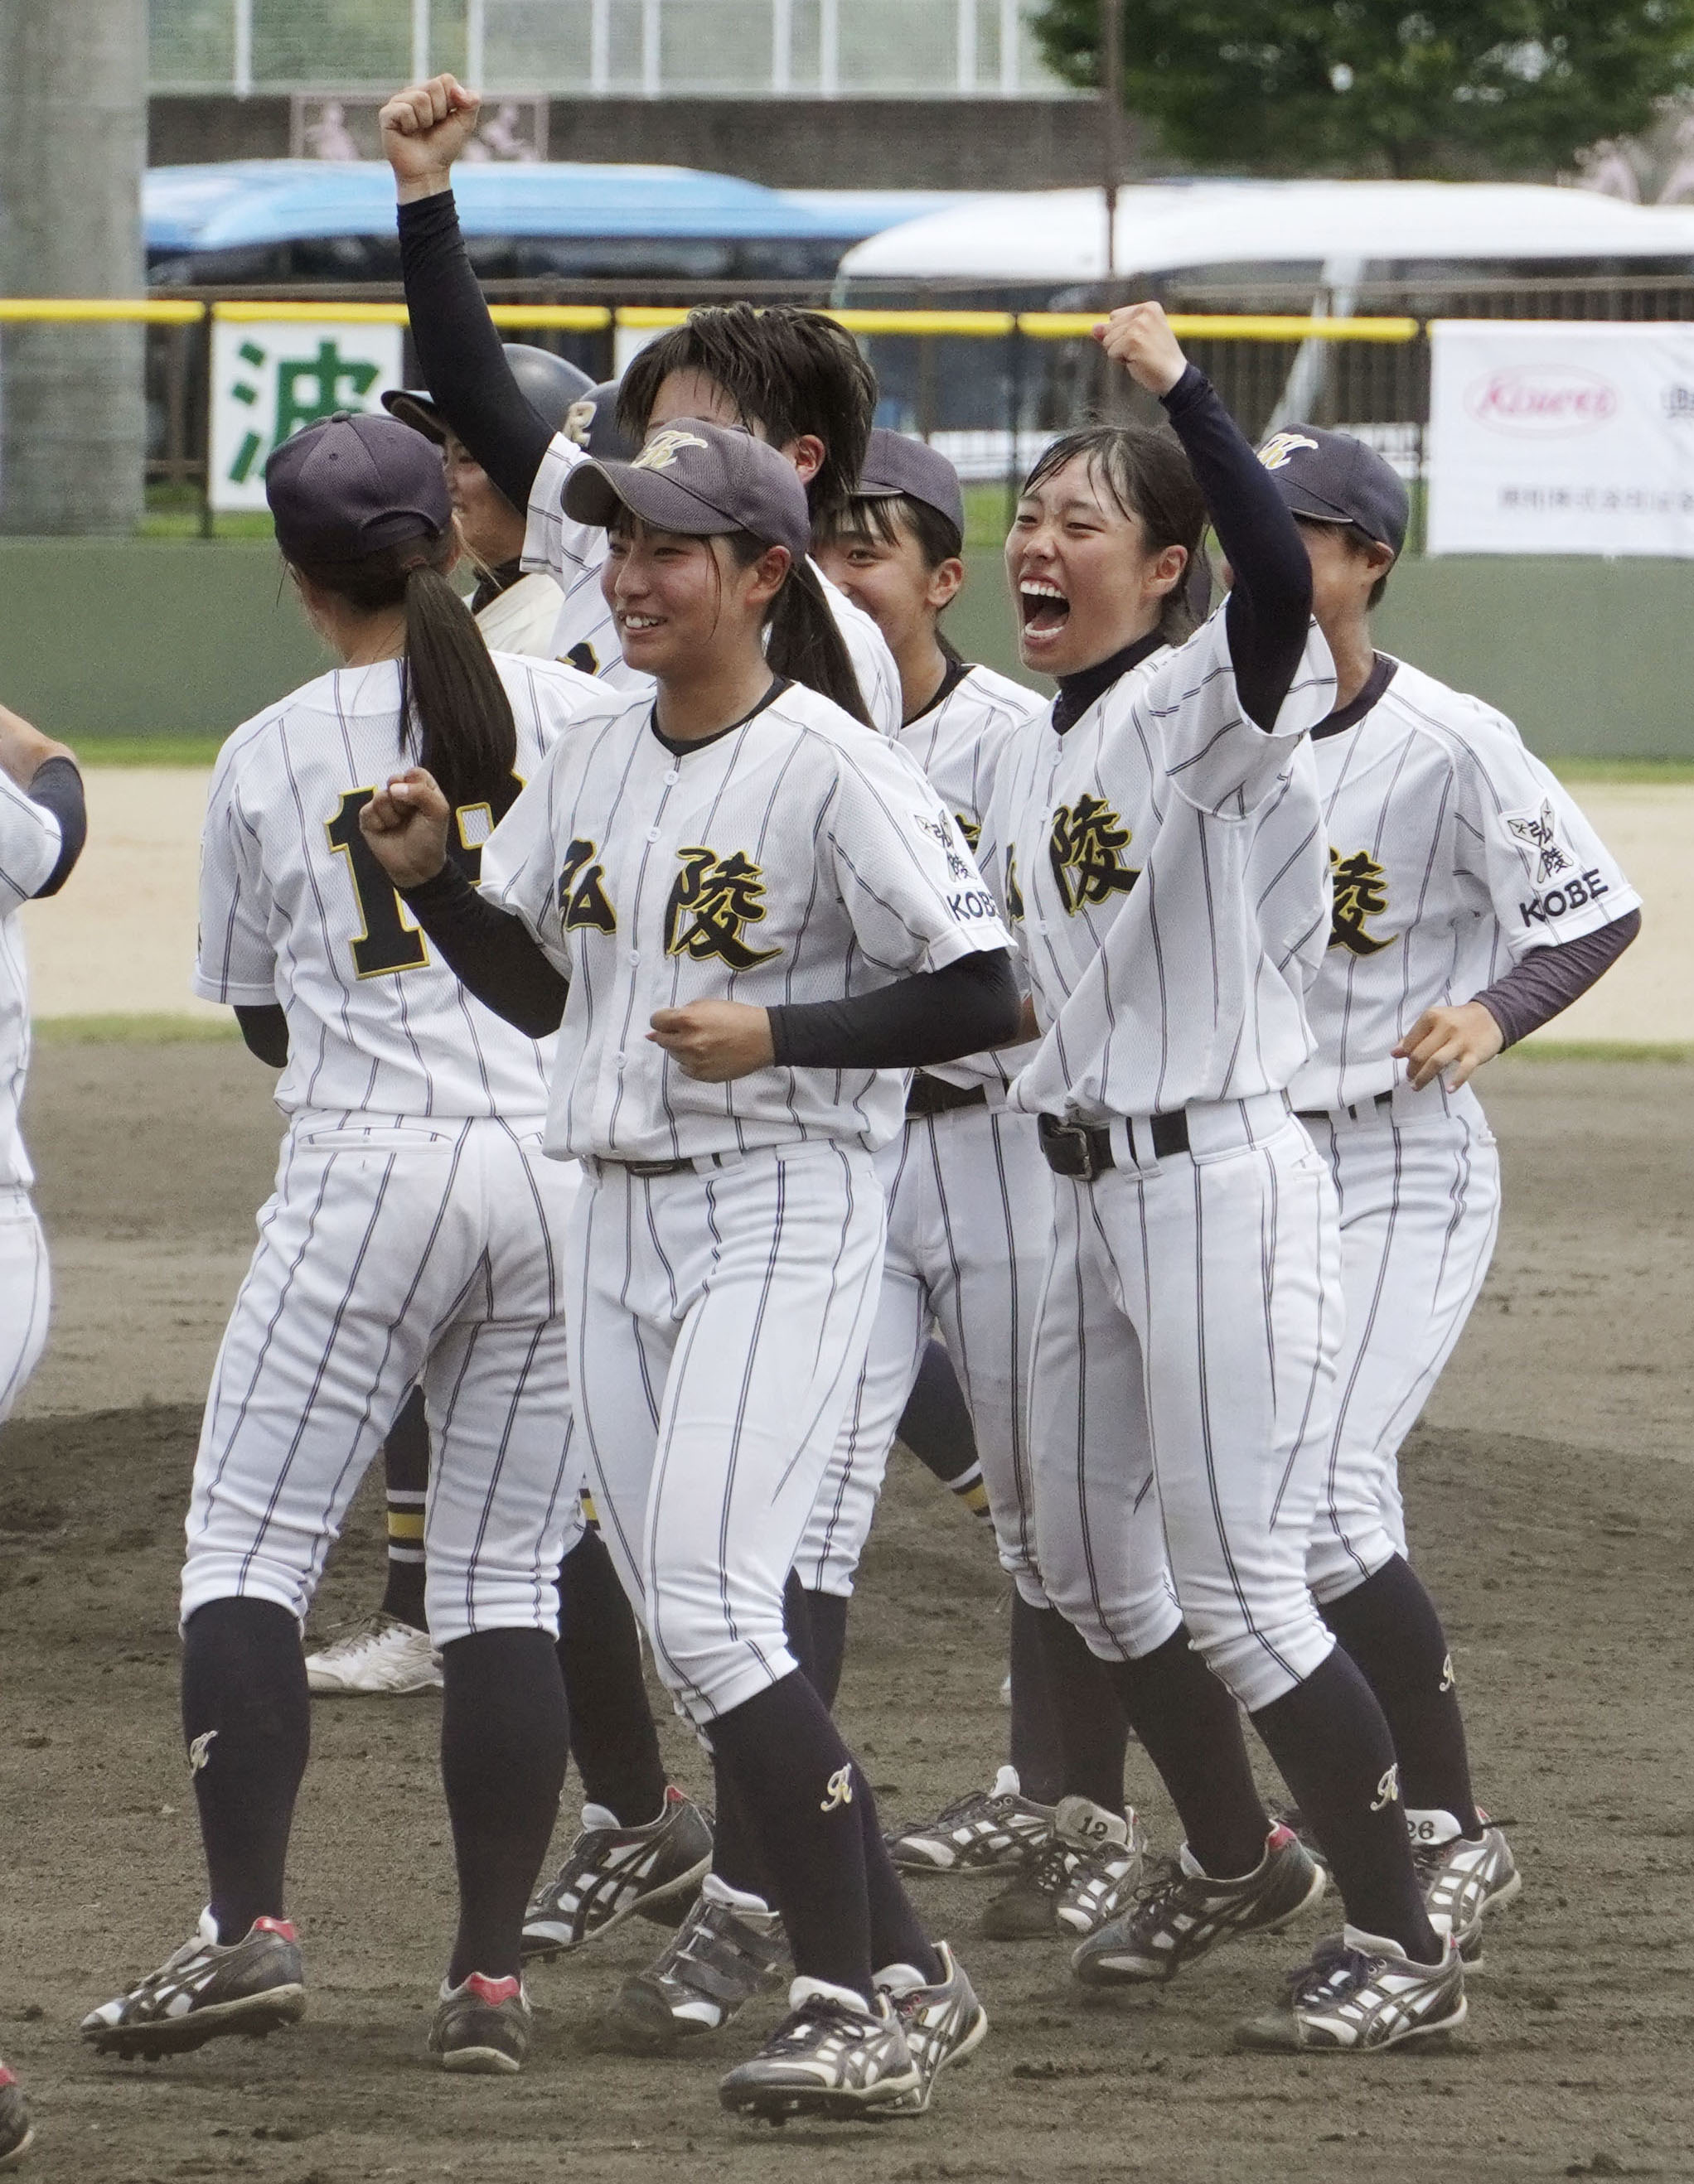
(452, 700)
(803, 639)
(806, 645)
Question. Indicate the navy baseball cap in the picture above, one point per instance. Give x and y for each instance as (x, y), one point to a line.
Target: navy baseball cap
(1331, 477)
(352, 485)
(549, 383)
(698, 479)
(897, 466)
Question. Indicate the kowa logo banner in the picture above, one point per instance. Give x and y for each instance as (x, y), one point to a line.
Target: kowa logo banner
(1553, 437)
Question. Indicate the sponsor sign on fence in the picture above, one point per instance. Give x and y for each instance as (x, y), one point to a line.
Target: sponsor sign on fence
(1553, 437)
(272, 377)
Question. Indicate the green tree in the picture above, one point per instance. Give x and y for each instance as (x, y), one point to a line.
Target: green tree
(1375, 86)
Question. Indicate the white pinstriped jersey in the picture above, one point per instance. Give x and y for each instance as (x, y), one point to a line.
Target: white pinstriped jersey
(958, 743)
(30, 844)
(792, 859)
(295, 909)
(1454, 852)
(575, 553)
(1165, 867)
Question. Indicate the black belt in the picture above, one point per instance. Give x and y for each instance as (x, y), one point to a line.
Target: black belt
(934, 1096)
(1377, 1101)
(1084, 1149)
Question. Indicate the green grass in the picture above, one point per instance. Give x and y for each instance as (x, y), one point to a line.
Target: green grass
(146, 750)
(1598, 1049)
(135, 1031)
(1620, 771)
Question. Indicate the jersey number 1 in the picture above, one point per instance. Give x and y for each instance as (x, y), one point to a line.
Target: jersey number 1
(387, 944)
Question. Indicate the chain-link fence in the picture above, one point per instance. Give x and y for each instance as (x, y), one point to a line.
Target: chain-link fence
(603, 48)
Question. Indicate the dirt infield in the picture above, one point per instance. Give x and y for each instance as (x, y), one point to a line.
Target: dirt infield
(1543, 1508)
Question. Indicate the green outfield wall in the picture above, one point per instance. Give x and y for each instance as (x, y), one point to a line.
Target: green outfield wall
(187, 636)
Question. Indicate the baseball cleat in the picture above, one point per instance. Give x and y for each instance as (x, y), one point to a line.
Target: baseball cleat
(1463, 1878)
(614, 1871)
(726, 1950)
(944, 2023)
(1028, 1909)
(1359, 1993)
(1184, 1913)
(1104, 1881)
(380, 1658)
(204, 1991)
(987, 1831)
(482, 2026)
(839, 2059)
(16, 2134)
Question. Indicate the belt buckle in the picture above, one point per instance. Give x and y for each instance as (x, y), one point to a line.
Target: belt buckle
(1074, 1142)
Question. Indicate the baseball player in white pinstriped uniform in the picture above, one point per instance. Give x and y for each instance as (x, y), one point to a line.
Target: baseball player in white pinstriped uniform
(416, 1233)
(43, 827)
(1472, 901)
(1173, 905)
(792, 377)
(737, 896)
(42, 824)
(966, 1186)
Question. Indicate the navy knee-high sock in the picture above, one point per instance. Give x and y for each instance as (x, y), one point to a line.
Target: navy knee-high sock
(827, 1626)
(1190, 1727)
(1389, 1628)
(811, 1808)
(936, 1423)
(1035, 1746)
(1087, 1715)
(1329, 1739)
(405, 1466)
(247, 1722)
(613, 1740)
(505, 1740)
(736, 1857)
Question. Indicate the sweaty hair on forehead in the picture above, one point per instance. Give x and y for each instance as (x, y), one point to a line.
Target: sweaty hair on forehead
(885, 519)
(787, 371)
(1143, 473)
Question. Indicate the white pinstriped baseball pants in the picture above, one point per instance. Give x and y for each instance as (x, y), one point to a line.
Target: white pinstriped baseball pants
(395, 1250)
(718, 1327)
(1179, 1395)
(25, 1294)
(1418, 1186)
(968, 1209)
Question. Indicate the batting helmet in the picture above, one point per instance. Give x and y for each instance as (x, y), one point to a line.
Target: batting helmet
(550, 384)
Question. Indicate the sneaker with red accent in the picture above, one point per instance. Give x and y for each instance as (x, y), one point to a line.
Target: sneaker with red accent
(15, 2131)
(205, 1990)
(481, 2025)
(1184, 1913)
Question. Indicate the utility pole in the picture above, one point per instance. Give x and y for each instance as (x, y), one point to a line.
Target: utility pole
(73, 147)
(1112, 395)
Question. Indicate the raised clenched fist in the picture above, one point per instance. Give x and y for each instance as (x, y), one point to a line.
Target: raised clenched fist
(1139, 338)
(405, 825)
(424, 128)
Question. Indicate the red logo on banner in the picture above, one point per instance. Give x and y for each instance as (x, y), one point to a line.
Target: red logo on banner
(1542, 400)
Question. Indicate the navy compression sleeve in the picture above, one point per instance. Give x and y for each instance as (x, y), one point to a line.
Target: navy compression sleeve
(459, 351)
(1270, 603)
(1549, 979)
(264, 1027)
(971, 1005)
(56, 787)
(492, 954)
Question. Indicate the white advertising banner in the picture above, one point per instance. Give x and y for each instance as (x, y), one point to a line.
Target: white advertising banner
(1568, 436)
(272, 376)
